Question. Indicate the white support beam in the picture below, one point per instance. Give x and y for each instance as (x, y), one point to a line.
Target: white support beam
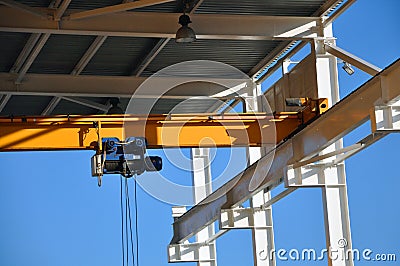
(215, 107)
(115, 8)
(338, 12)
(101, 107)
(243, 218)
(313, 175)
(51, 106)
(385, 119)
(311, 172)
(143, 24)
(202, 187)
(150, 56)
(91, 51)
(327, 7)
(61, 9)
(32, 56)
(352, 59)
(68, 85)
(23, 55)
(102, 86)
(88, 103)
(190, 252)
(230, 106)
(25, 8)
(278, 62)
(333, 179)
(278, 197)
(4, 100)
(351, 148)
(262, 231)
(270, 58)
(55, 3)
(303, 145)
(196, 6)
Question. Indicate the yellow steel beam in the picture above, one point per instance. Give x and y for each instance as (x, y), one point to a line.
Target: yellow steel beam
(85, 132)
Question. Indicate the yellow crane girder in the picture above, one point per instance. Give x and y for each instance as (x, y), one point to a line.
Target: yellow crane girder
(77, 132)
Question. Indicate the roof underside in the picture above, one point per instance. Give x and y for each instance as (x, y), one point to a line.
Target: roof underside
(124, 56)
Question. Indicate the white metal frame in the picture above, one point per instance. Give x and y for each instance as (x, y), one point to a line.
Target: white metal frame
(334, 188)
(313, 157)
(203, 251)
(260, 222)
(202, 187)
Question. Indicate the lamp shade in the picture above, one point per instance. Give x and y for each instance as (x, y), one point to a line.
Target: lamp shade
(185, 34)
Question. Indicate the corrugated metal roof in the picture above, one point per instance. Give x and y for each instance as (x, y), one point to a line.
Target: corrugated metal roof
(35, 3)
(65, 107)
(11, 45)
(170, 7)
(193, 106)
(261, 7)
(176, 106)
(238, 53)
(25, 105)
(92, 4)
(118, 56)
(60, 54)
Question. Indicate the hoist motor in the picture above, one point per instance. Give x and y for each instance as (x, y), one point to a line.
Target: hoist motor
(126, 158)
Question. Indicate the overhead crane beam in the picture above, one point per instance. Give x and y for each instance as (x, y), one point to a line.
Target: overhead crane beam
(171, 131)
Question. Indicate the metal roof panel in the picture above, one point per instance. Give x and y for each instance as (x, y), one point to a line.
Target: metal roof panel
(261, 7)
(118, 56)
(60, 54)
(25, 105)
(241, 54)
(65, 107)
(11, 45)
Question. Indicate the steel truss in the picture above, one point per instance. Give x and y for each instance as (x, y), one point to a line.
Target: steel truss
(312, 158)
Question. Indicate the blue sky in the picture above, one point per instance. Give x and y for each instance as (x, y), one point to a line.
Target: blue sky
(53, 213)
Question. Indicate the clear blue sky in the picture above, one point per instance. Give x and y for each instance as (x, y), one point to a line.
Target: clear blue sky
(53, 213)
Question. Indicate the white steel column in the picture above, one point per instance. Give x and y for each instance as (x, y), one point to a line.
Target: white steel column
(263, 238)
(202, 188)
(334, 193)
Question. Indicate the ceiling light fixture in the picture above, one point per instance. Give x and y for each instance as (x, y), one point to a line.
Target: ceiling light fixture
(115, 109)
(185, 34)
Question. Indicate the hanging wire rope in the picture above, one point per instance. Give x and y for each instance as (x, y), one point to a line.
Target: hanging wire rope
(126, 222)
(126, 225)
(130, 220)
(136, 221)
(122, 223)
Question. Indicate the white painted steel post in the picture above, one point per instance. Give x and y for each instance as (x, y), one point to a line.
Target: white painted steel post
(263, 239)
(334, 196)
(201, 167)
